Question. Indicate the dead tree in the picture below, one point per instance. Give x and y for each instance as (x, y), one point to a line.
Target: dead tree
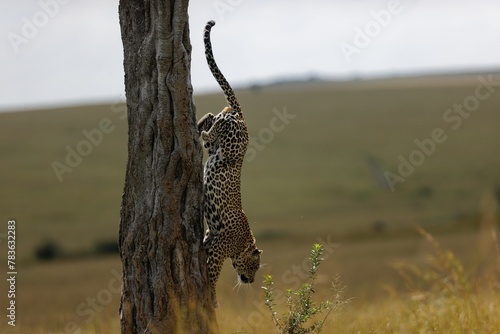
(165, 282)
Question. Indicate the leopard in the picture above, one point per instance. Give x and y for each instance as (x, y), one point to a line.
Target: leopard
(225, 138)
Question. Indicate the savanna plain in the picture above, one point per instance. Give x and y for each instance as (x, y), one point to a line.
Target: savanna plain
(400, 187)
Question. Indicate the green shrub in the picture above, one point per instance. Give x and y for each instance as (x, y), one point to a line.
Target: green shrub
(47, 250)
(302, 312)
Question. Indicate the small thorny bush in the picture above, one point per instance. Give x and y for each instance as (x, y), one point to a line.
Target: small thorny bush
(303, 314)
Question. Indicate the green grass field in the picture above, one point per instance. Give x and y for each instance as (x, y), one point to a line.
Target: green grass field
(314, 173)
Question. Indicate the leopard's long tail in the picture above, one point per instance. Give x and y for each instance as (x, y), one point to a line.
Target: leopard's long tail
(221, 80)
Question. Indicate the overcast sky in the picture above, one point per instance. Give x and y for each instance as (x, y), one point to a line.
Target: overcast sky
(56, 52)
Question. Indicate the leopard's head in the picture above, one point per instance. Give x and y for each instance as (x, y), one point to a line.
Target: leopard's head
(247, 263)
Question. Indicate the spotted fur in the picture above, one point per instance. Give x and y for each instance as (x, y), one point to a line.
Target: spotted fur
(225, 137)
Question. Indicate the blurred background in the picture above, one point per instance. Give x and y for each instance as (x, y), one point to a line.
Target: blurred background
(367, 119)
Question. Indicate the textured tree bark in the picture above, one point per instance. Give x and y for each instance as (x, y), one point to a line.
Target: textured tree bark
(165, 281)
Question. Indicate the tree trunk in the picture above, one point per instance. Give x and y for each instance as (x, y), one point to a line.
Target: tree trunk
(165, 281)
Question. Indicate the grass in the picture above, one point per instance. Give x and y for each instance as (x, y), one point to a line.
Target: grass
(383, 300)
(314, 181)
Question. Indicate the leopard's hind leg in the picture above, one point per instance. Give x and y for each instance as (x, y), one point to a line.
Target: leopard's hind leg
(215, 262)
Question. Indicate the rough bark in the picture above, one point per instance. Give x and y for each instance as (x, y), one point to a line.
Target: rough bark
(165, 282)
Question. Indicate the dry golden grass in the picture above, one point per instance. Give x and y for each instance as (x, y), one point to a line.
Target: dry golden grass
(440, 287)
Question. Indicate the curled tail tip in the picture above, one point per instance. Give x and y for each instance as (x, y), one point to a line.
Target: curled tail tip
(210, 24)
(208, 27)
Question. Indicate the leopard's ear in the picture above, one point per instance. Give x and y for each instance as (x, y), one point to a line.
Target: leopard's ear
(257, 251)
